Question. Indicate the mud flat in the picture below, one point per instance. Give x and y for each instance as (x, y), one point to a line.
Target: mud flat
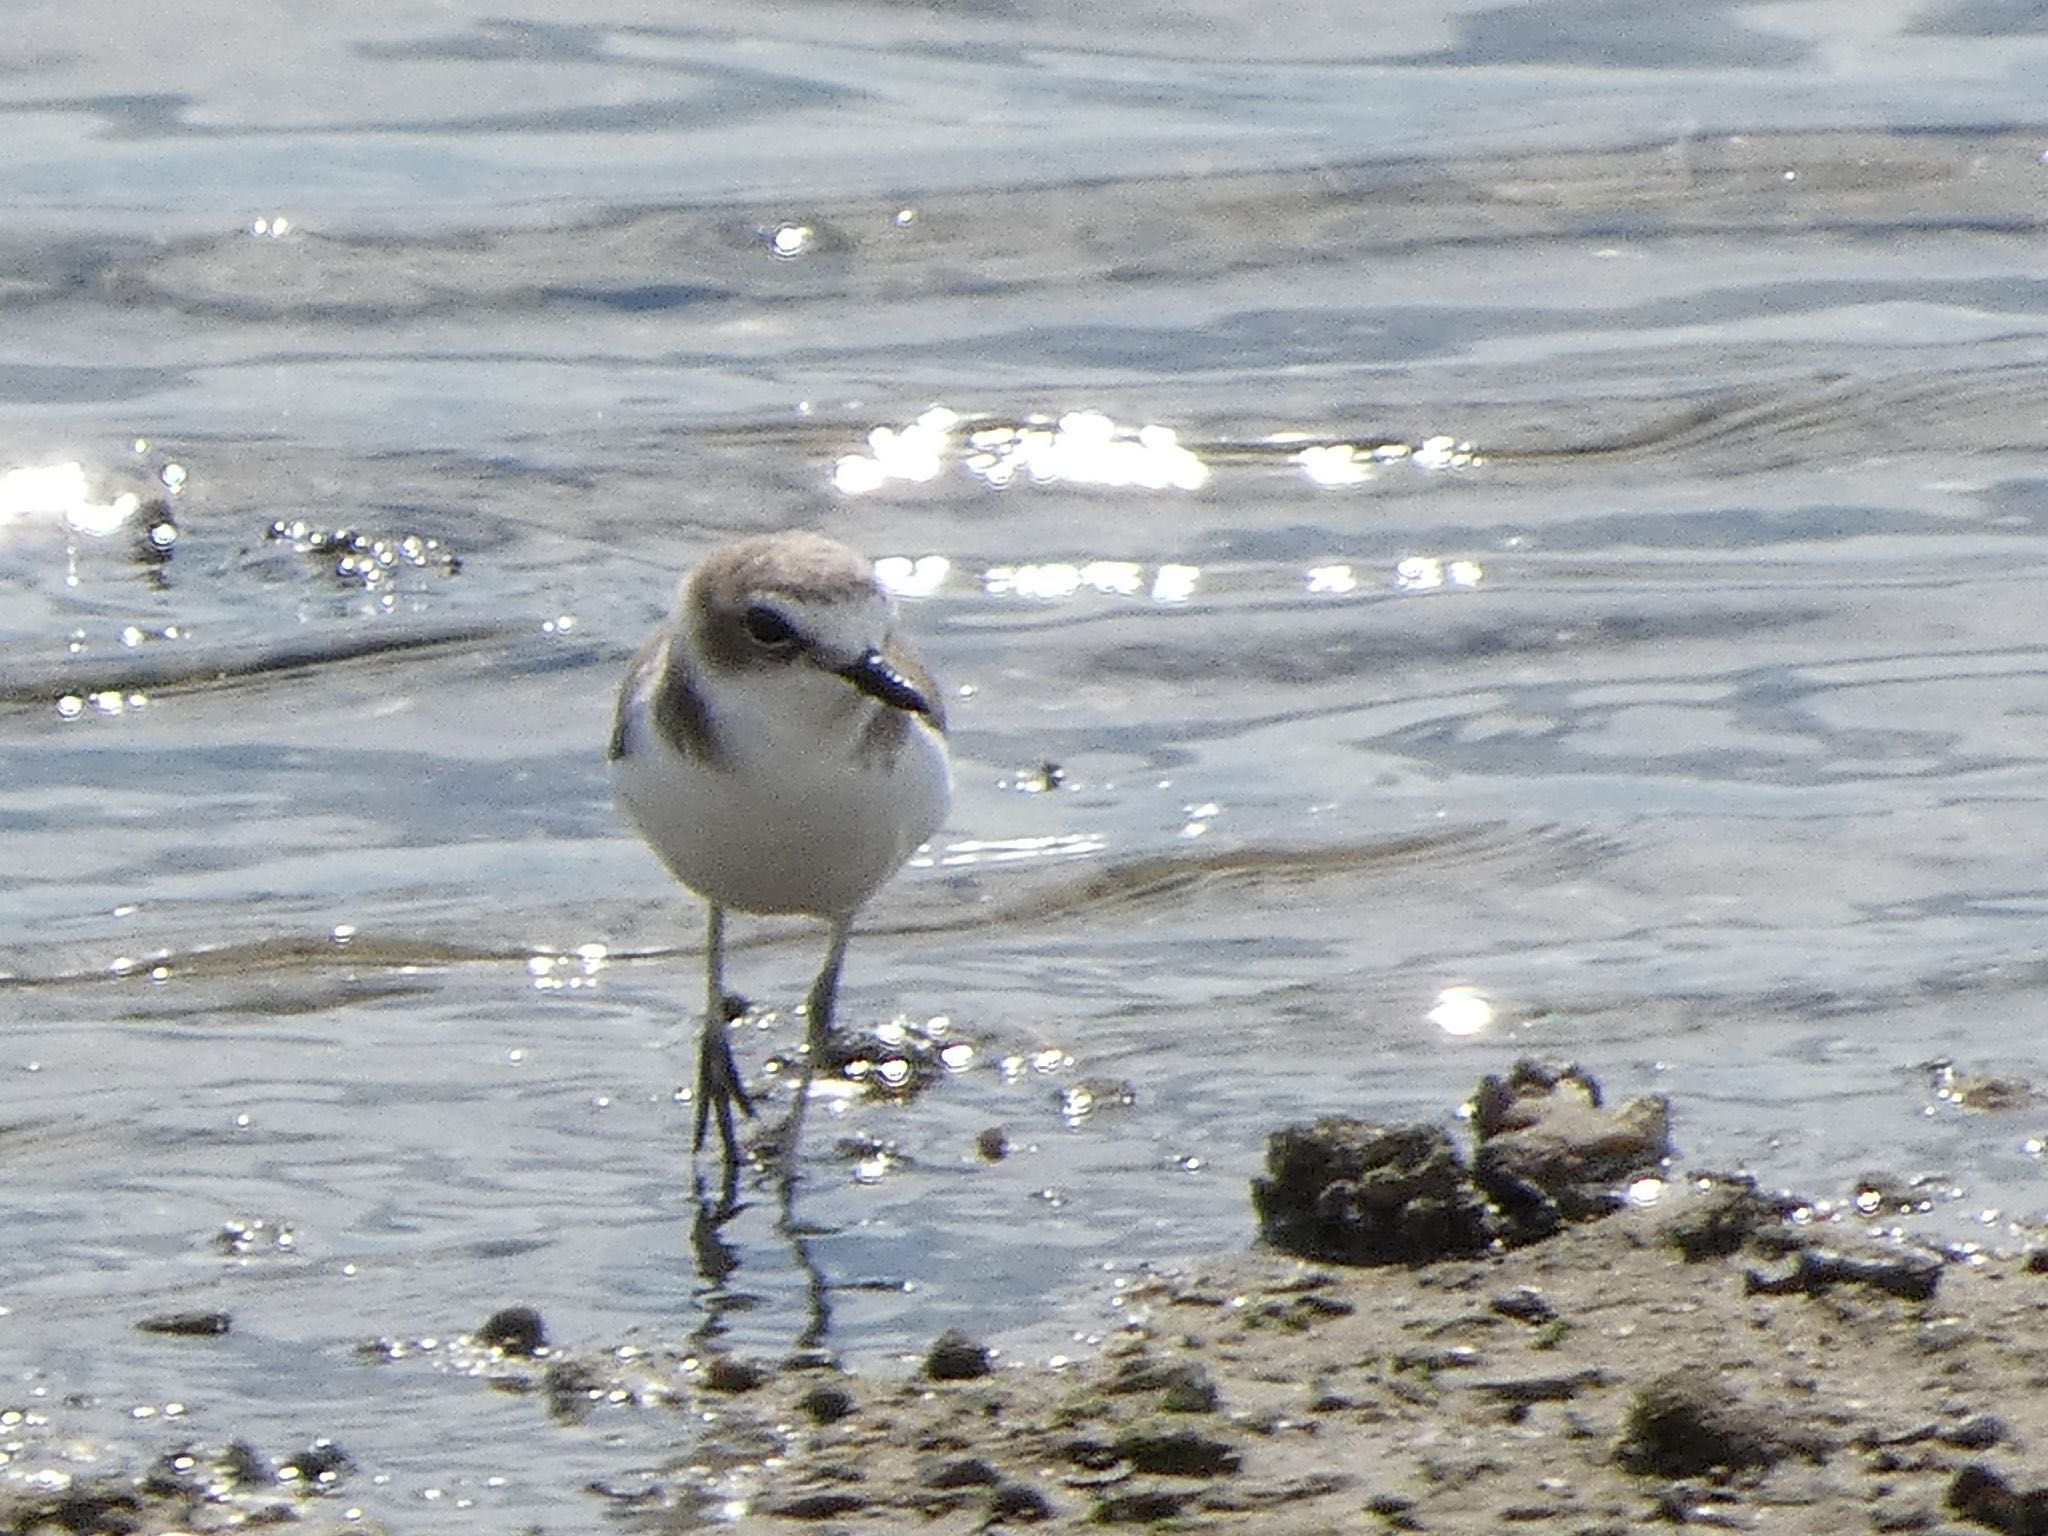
(1686, 1351)
(1600, 1381)
(1555, 1333)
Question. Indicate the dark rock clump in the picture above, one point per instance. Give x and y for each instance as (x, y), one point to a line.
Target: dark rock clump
(1550, 1153)
(1547, 1153)
(1357, 1193)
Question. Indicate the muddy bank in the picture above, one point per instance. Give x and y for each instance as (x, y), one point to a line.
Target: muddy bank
(1538, 1334)
(1550, 1331)
(1595, 1382)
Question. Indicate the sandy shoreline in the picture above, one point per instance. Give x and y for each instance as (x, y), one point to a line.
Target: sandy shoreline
(1712, 1357)
(1596, 1382)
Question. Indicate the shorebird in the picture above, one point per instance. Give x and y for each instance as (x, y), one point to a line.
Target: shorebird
(780, 745)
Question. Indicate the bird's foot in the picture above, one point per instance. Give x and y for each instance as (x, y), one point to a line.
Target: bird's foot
(719, 1091)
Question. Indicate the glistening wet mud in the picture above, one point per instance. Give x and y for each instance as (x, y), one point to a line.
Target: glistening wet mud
(1705, 1353)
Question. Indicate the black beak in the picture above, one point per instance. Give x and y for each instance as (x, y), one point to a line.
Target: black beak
(875, 677)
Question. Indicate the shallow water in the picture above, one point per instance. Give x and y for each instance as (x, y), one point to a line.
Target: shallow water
(1595, 564)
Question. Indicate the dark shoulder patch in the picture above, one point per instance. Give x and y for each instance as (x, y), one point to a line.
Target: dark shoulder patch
(680, 713)
(677, 708)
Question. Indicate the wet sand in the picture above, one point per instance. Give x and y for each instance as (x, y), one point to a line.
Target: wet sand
(1596, 1382)
(1717, 1356)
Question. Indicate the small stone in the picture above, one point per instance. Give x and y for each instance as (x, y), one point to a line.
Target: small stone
(1019, 1502)
(1191, 1391)
(729, 1373)
(573, 1388)
(1185, 1385)
(1911, 1276)
(1348, 1190)
(515, 1331)
(827, 1504)
(1990, 1093)
(243, 1466)
(1549, 1152)
(827, 1403)
(186, 1325)
(175, 1474)
(1542, 1389)
(1903, 1512)
(320, 1465)
(1722, 1219)
(88, 1509)
(1981, 1495)
(956, 1357)
(1142, 1507)
(1979, 1432)
(962, 1472)
(1525, 1304)
(1686, 1422)
(1397, 1509)
(1176, 1451)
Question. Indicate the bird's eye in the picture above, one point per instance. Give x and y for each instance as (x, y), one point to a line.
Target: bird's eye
(767, 627)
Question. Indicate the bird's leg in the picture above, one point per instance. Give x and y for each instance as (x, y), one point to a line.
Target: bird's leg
(817, 1032)
(718, 1076)
(825, 990)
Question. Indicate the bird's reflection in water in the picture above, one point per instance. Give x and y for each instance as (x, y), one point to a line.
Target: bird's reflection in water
(718, 1260)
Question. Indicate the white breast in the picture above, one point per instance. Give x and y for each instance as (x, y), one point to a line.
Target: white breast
(792, 816)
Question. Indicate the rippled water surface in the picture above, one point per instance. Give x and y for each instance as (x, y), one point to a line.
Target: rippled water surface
(1520, 531)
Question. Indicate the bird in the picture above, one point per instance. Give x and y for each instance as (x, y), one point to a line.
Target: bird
(780, 745)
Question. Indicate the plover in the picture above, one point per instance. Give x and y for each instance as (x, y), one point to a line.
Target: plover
(781, 747)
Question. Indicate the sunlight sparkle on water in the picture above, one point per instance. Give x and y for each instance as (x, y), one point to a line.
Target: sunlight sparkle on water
(1079, 448)
(1427, 573)
(109, 702)
(579, 968)
(916, 454)
(1461, 1011)
(1331, 578)
(1442, 453)
(1086, 448)
(1057, 579)
(1335, 464)
(1342, 464)
(61, 492)
(913, 578)
(1175, 583)
(1015, 850)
